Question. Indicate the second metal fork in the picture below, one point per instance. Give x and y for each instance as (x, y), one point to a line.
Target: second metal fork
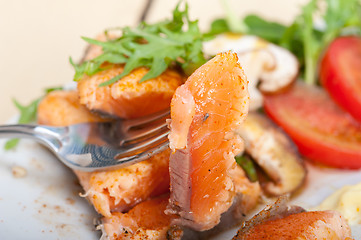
(100, 146)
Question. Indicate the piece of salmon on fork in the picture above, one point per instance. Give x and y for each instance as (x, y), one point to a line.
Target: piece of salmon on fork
(205, 112)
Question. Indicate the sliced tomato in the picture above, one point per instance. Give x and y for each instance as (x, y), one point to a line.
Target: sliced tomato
(340, 73)
(322, 131)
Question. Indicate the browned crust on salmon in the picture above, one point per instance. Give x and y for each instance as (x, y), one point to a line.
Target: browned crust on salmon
(306, 225)
(282, 221)
(61, 108)
(128, 98)
(121, 189)
(146, 220)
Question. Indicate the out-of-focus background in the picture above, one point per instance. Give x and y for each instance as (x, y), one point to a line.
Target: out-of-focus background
(37, 37)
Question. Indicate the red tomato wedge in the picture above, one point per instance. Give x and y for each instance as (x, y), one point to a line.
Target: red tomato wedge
(322, 131)
(340, 73)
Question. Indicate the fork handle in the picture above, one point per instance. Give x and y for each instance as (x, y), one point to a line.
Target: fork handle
(45, 135)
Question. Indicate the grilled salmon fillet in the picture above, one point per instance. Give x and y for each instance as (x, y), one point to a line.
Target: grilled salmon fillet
(128, 98)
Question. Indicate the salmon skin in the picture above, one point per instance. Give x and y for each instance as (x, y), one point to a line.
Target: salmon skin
(205, 112)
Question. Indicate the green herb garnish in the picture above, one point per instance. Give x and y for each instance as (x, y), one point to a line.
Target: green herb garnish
(247, 165)
(254, 25)
(156, 46)
(28, 114)
(339, 15)
(303, 38)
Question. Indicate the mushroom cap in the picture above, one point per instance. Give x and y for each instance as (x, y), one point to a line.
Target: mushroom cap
(268, 67)
(274, 152)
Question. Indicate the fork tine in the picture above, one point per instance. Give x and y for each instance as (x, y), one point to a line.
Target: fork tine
(130, 123)
(152, 129)
(139, 147)
(129, 160)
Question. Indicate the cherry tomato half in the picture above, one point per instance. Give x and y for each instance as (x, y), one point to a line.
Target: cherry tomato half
(340, 73)
(321, 130)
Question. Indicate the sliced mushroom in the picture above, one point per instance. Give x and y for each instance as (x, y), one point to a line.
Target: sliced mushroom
(268, 67)
(255, 63)
(274, 153)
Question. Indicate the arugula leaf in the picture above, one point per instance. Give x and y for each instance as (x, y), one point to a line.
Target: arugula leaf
(12, 143)
(51, 89)
(218, 26)
(271, 31)
(302, 37)
(247, 165)
(28, 114)
(251, 24)
(311, 44)
(155, 46)
(233, 23)
(292, 40)
(337, 16)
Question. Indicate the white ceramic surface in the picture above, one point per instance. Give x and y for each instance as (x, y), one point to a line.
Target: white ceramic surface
(45, 204)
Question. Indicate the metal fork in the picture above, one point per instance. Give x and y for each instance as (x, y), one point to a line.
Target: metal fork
(100, 146)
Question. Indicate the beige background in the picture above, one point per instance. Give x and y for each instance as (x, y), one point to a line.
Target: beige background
(38, 36)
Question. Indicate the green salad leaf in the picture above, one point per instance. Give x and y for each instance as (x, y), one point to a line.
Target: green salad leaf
(155, 46)
(28, 114)
(248, 166)
(255, 25)
(303, 37)
(339, 17)
(264, 29)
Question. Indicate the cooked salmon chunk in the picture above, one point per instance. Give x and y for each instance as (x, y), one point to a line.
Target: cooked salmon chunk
(121, 189)
(146, 220)
(281, 221)
(205, 111)
(128, 98)
(107, 190)
(61, 108)
(306, 225)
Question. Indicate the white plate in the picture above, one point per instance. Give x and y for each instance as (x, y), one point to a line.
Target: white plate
(45, 204)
